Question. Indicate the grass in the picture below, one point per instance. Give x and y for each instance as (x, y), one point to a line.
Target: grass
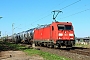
(32, 52)
(4, 46)
(82, 45)
(45, 55)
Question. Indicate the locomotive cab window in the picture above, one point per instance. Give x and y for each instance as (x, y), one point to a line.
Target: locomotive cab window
(68, 27)
(64, 27)
(61, 27)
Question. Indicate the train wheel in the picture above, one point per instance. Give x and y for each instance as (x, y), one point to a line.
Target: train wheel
(39, 44)
(49, 45)
(56, 46)
(69, 46)
(35, 43)
(45, 44)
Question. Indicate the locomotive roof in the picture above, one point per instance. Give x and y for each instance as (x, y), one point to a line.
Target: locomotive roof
(42, 26)
(63, 22)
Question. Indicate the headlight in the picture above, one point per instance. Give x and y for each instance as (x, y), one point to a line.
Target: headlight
(71, 38)
(70, 34)
(60, 34)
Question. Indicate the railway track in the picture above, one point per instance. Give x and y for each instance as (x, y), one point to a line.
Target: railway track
(77, 50)
(73, 53)
(83, 52)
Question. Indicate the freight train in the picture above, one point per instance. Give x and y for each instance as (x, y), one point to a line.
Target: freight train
(56, 34)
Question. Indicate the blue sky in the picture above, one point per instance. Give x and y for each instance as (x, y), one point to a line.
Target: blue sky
(26, 14)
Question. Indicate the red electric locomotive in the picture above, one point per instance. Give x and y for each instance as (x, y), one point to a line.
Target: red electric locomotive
(56, 34)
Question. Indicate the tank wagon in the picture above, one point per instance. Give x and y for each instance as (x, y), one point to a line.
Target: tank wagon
(56, 34)
(16, 38)
(28, 36)
(24, 37)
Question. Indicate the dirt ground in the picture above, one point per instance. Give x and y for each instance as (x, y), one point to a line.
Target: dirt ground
(10, 53)
(17, 55)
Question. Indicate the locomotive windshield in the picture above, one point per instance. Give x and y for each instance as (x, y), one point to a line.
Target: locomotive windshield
(64, 27)
(68, 27)
(61, 27)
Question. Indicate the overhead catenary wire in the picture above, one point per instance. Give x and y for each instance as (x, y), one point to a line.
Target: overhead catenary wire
(51, 13)
(48, 14)
(59, 4)
(60, 9)
(76, 13)
(42, 18)
(70, 4)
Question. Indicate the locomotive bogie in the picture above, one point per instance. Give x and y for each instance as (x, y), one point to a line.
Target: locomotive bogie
(69, 43)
